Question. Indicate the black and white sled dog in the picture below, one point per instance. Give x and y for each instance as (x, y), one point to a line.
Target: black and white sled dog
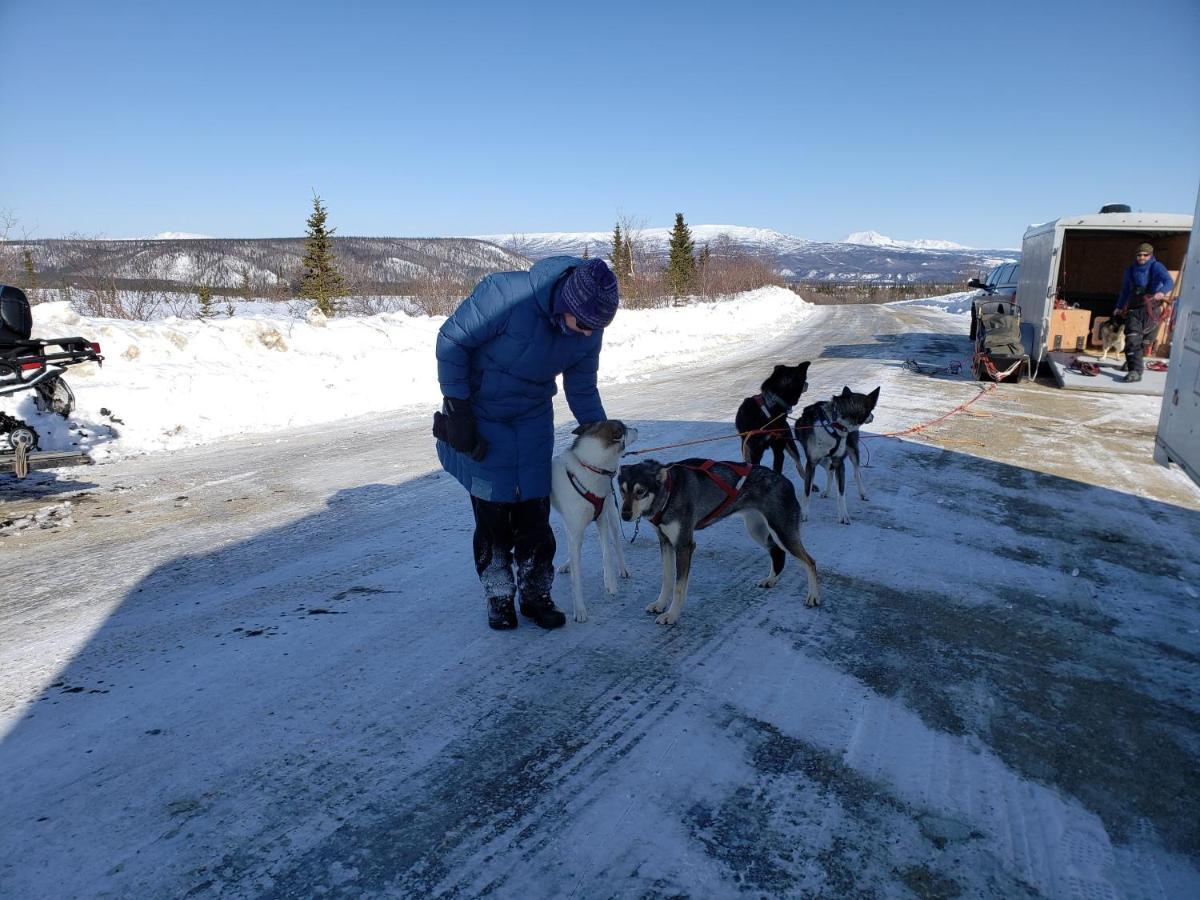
(769, 409)
(682, 498)
(581, 491)
(828, 432)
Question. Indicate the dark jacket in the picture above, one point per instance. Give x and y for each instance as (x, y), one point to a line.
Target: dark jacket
(502, 349)
(1151, 275)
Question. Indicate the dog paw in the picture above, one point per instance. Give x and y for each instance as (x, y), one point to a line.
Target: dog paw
(624, 573)
(864, 498)
(769, 582)
(610, 588)
(656, 607)
(844, 519)
(564, 568)
(813, 600)
(803, 516)
(667, 618)
(581, 615)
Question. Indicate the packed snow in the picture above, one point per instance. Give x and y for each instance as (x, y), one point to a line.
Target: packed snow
(258, 371)
(258, 666)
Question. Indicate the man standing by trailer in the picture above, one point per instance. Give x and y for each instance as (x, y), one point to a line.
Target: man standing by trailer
(1146, 281)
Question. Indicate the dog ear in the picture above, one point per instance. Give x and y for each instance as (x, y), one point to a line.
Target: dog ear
(579, 429)
(846, 392)
(873, 398)
(803, 368)
(663, 473)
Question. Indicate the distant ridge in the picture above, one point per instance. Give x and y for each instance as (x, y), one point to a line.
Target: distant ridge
(865, 256)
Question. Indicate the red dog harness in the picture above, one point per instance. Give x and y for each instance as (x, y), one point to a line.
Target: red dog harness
(732, 492)
(595, 499)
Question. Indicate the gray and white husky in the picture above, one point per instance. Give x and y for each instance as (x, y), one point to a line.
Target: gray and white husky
(1112, 339)
(581, 490)
(828, 433)
(682, 498)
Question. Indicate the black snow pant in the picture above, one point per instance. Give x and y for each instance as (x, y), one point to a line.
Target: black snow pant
(514, 532)
(1138, 330)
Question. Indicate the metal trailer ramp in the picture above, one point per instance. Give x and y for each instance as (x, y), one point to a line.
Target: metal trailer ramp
(45, 459)
(1109, 381)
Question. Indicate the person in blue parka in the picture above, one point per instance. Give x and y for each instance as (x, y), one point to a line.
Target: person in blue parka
(498, 357)
(1146, 280)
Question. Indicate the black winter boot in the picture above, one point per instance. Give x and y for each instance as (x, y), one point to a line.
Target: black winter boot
(543, 612)
(501, 614)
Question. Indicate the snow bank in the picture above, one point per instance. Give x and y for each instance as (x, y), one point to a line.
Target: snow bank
(178, 382)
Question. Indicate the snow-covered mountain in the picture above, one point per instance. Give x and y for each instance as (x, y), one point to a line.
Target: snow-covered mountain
(180, 236)
(864, 256)
(380, 265)
(388, 264)
(875, 239)
(539, 245)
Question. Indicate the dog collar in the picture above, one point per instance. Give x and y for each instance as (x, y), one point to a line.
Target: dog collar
(607, 472)
(831, 426)
(655, 518)
(766, 400)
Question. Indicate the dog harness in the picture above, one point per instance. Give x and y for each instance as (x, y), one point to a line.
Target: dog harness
(732, 492)
(831, 426)
(595, 499)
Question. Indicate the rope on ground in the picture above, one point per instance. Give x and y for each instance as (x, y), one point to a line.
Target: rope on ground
(742, 435)
(942, 418)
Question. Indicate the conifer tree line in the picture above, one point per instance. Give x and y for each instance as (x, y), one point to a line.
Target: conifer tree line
(706, 272)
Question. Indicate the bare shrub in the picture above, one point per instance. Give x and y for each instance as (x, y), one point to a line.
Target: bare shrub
(372, 305)
(439, 296)
(726, 269)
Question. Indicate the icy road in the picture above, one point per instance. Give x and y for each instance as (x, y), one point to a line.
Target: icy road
(262, 669)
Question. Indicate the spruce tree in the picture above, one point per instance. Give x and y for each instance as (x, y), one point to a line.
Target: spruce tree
(205, 299)
(616, 255)
(322, 283)
(681, 265)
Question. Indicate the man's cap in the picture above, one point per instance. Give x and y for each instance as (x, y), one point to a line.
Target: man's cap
(1145, 248)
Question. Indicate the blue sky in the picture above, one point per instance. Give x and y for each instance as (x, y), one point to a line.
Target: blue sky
(960, 121)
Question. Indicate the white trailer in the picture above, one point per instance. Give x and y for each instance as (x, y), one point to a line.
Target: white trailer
(1178, 439)
(1082, 259)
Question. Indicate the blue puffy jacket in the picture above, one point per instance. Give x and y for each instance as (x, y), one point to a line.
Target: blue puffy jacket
(1151, 275)
(502, 349)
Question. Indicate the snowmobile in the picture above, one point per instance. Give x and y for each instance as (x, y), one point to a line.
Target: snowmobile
(37, 365)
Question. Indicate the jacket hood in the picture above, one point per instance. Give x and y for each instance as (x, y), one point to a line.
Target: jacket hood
(545, 274)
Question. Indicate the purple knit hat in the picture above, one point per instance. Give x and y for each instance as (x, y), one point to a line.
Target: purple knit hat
(589, 294)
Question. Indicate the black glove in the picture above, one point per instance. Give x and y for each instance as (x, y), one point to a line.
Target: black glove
(456, 426)
(1118, 316)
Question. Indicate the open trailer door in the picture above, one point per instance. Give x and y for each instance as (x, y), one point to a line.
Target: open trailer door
(1178, 438)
